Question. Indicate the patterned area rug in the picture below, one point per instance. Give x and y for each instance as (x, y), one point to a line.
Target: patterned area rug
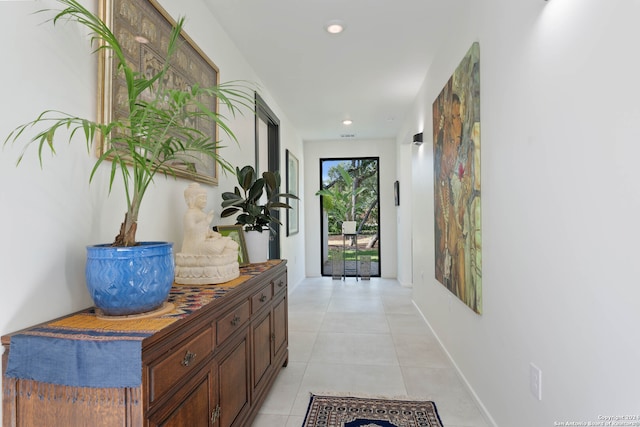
(341, 411)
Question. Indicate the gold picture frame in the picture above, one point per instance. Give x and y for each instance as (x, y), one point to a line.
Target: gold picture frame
(237, 235)
(129, 20)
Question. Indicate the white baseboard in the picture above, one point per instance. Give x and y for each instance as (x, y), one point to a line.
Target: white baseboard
(483, 409)
(405, 284)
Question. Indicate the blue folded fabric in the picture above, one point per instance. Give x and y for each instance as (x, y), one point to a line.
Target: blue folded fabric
(76, 363)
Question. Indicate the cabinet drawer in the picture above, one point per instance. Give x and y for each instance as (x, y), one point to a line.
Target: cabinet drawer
(261, 298)
(279, 284)
(232, 321)
(179, 362)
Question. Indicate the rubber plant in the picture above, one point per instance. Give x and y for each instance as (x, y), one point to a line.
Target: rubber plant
(153, 135)
(255, 212)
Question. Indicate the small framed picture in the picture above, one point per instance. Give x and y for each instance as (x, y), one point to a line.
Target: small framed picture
(292, 188)
(396, 193)
(237, 235)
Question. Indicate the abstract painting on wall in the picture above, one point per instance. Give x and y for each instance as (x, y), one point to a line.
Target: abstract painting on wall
(458, 221)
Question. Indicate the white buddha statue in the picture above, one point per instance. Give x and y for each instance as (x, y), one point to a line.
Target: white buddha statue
(206, 257)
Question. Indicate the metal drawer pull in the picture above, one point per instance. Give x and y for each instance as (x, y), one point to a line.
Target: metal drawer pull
(188, 358)
(280, 284)
(235, 320)
(263, 298)
(215, 414)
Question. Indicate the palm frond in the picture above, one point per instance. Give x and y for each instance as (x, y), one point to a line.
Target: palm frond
(157, 135)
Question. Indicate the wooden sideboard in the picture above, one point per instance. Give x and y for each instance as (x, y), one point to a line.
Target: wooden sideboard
(212, 367)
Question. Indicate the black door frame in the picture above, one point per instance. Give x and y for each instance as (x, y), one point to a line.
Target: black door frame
(322, 231)
(264, 113)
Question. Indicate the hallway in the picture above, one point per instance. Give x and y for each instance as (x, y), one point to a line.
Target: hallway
(362, 337)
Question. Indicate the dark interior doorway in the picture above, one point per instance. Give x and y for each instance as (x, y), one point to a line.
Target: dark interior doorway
(267, 137)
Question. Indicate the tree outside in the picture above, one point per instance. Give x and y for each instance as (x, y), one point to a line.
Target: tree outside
(350, 192)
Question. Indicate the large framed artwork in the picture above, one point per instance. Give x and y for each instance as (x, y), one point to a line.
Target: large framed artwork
(143, 27)
(458, 221)
(293, 214)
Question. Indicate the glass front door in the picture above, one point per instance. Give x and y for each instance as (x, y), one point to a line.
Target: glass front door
(349, 190)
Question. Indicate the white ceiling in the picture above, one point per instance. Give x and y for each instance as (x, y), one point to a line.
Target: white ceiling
(370, 73)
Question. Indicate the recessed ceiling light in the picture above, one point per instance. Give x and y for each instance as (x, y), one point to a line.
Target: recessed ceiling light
(334, 27)
(347, 122)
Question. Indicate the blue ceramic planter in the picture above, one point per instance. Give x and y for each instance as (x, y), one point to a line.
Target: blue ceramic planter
(130, 280)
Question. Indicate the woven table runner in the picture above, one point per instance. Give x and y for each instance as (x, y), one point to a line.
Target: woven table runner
(87, 350)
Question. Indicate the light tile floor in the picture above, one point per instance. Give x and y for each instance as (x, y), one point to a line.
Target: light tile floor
(362, 337)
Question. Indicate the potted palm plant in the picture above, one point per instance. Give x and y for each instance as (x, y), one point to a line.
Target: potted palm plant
(152, 139)
(255, 211)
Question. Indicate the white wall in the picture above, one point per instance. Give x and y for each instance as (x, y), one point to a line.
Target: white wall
(48, 216)
(560, 201)
(293, 247)
(404, 213)
(313, 152)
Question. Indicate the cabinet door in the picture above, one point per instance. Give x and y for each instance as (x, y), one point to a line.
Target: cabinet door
(233, 375)
(194, 410)
(262, 350)
(280, 326)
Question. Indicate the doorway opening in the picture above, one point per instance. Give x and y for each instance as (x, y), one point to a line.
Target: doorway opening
(349, 190)
(267, 137)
